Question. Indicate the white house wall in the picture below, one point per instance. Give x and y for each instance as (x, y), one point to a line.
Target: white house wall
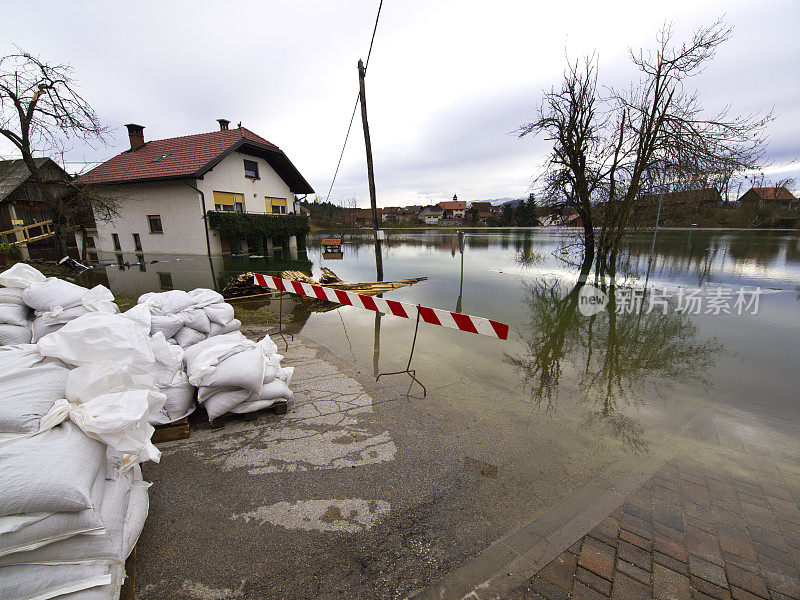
(228, 176)
(181, 214)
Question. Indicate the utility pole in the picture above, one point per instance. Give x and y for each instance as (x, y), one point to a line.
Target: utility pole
(370, 172)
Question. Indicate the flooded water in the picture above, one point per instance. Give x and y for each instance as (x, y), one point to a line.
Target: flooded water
(617, 365)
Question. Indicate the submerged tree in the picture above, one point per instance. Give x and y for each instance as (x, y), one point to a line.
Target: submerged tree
(40, 108)
(609, 150)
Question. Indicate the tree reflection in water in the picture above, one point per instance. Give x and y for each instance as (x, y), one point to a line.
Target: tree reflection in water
(616, 356)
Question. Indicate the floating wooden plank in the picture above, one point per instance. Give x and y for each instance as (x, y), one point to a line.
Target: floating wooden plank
(242, 286)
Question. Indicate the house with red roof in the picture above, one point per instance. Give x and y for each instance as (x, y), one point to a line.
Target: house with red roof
(165, 189)
(454, 209)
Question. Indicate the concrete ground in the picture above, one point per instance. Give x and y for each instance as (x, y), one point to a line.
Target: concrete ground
(361, 492)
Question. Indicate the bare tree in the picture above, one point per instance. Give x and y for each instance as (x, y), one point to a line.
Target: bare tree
(575, 169)
(609, 150)
(40, 109)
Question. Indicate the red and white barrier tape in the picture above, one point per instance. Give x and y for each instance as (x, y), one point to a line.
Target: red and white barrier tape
(434, 316)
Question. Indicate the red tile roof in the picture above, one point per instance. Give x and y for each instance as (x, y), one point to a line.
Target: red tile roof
(774, 193)
(454, 205)
(186, 156)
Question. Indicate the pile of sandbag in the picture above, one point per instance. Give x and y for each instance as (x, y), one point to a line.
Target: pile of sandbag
(54, 301)
(189, 317)
(74, 427)
(236, 375)
(15, 321)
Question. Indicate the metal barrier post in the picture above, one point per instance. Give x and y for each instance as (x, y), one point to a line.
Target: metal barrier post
(408, 370)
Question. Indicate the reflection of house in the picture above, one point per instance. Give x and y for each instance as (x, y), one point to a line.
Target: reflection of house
(777, 197)
(431, 215)
(20, 200)
(454, 209)
(165, 187)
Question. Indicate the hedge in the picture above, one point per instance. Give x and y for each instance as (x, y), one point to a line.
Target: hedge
(237, 227)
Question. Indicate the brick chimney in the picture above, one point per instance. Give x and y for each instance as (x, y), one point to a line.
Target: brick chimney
(223, 124)
(136, 135)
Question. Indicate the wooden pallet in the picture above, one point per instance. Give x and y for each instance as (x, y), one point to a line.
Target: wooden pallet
(281, 407)
(179, 430)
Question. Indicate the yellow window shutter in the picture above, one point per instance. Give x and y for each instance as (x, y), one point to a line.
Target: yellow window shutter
(279, 202)
(223, 198)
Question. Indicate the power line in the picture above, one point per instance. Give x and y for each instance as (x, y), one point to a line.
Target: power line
(355, 106)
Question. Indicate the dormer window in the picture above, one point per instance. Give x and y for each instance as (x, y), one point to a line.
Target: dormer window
(160, 158)
(251, 169)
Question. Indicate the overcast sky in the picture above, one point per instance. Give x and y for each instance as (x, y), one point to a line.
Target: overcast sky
(448, 80)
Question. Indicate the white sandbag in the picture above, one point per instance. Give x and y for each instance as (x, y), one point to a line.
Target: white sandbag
(138, 506)
(53, 292)
(140, 314)
(201, 359)
(232, 325)
(102, 592)
(218, 401)
(196, 318)
(274, 390)
(169, 325)
(14, 334)
(11, 295)
(99, 336)
(20, 356)
(106, 545)
(241, 370)
(220, 313)
(179, 403)
(29, 392)
(49, 472)
(51, 321)
(57, 526)
(204, 297)
(112, 403)
(14, 314)
(166, 303)
(252, 406)
(187, 336)
(40, 582)
(21, 275)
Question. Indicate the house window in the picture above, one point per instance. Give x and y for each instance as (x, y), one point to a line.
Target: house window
(154, 221)
(251, 169)
(142, 264)
(165, 280)
(137, 242)
(121, 262)
(92, 256)
(228, 202)
(276, 206)
(115, 240)
(89, 242)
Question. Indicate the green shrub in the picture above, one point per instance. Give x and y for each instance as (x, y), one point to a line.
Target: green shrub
(11, 251)
(237, 227)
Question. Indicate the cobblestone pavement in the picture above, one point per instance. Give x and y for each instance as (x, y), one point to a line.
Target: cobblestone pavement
(690, 532)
